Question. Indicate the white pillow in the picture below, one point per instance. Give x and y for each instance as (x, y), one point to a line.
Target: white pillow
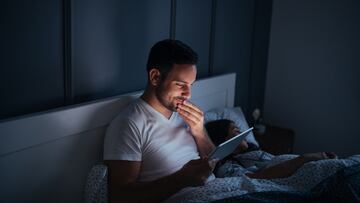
(232, 113)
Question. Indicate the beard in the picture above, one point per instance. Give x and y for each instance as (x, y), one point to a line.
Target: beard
(170, 104)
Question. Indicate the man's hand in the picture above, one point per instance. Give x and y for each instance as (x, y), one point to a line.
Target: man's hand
(193, 116)
(196, 172)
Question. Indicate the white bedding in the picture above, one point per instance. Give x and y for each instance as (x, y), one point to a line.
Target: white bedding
(303, 179)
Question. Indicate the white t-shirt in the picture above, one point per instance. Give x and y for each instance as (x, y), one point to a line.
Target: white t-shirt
(140, 133)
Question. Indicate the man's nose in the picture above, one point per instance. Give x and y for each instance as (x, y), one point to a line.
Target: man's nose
(186, 92)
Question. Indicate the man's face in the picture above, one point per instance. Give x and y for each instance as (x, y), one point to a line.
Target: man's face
(176, 87)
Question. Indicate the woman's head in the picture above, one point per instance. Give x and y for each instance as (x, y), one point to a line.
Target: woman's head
(221, 130)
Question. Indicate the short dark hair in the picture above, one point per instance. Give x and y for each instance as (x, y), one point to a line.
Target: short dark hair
(164, 54)
(218, 130)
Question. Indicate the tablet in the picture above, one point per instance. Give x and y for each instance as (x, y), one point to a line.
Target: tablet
(227, 147)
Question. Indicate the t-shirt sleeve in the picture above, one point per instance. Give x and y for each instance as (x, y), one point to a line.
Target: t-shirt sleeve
(122, 141)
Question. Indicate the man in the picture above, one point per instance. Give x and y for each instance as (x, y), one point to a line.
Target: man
(159, 145)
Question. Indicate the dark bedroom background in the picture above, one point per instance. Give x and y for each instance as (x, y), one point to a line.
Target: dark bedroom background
(298, 61)
(62, 52)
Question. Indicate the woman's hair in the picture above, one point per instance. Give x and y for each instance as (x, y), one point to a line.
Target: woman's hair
(218, 130)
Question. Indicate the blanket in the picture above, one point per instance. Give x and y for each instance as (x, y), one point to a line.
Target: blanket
(314, 180)
(343, 186)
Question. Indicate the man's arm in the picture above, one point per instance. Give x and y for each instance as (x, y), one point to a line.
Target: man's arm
(124, 187)
(194, 117)
(204, 144)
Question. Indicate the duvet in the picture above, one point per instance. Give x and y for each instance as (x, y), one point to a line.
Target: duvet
(325, 180)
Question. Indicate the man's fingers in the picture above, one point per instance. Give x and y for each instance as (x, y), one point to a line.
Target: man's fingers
(190, 122)
(190, 110)
(212, 163)
(188, 116)
(192, 106)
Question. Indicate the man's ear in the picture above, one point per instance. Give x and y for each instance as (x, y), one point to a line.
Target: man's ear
(154, 76)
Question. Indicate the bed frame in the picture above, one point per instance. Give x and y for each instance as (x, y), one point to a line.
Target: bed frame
(45, 157)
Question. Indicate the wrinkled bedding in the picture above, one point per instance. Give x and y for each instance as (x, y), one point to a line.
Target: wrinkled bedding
(250, 162)
(312, 180)
(343, 186)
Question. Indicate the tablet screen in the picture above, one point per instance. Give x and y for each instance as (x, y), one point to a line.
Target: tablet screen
(227, 147)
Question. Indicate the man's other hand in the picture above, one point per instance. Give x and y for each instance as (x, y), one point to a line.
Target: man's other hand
(196, 172)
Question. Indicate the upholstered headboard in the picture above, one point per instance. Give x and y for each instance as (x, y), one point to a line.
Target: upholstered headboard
(45, 157)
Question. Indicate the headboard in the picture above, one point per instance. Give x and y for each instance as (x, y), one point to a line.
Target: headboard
(45, 157)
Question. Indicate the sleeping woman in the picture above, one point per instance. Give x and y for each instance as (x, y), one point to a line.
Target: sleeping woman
(250, 160)
(250, 170)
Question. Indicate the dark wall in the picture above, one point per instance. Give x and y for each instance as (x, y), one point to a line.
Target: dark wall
(31, 65)
(259, 55)
(58, 53)
(313, 81)
(193, 25)
(233, 43)
(241, 46)
(110, 43)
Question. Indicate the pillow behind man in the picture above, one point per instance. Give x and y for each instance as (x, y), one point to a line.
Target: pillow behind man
(232, 113)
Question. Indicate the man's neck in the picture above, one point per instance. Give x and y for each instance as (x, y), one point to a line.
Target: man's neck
(149, 97)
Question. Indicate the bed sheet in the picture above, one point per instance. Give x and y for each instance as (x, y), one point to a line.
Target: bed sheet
(301, 182)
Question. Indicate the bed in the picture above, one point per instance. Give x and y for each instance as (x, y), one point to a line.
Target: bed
(47, 157)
